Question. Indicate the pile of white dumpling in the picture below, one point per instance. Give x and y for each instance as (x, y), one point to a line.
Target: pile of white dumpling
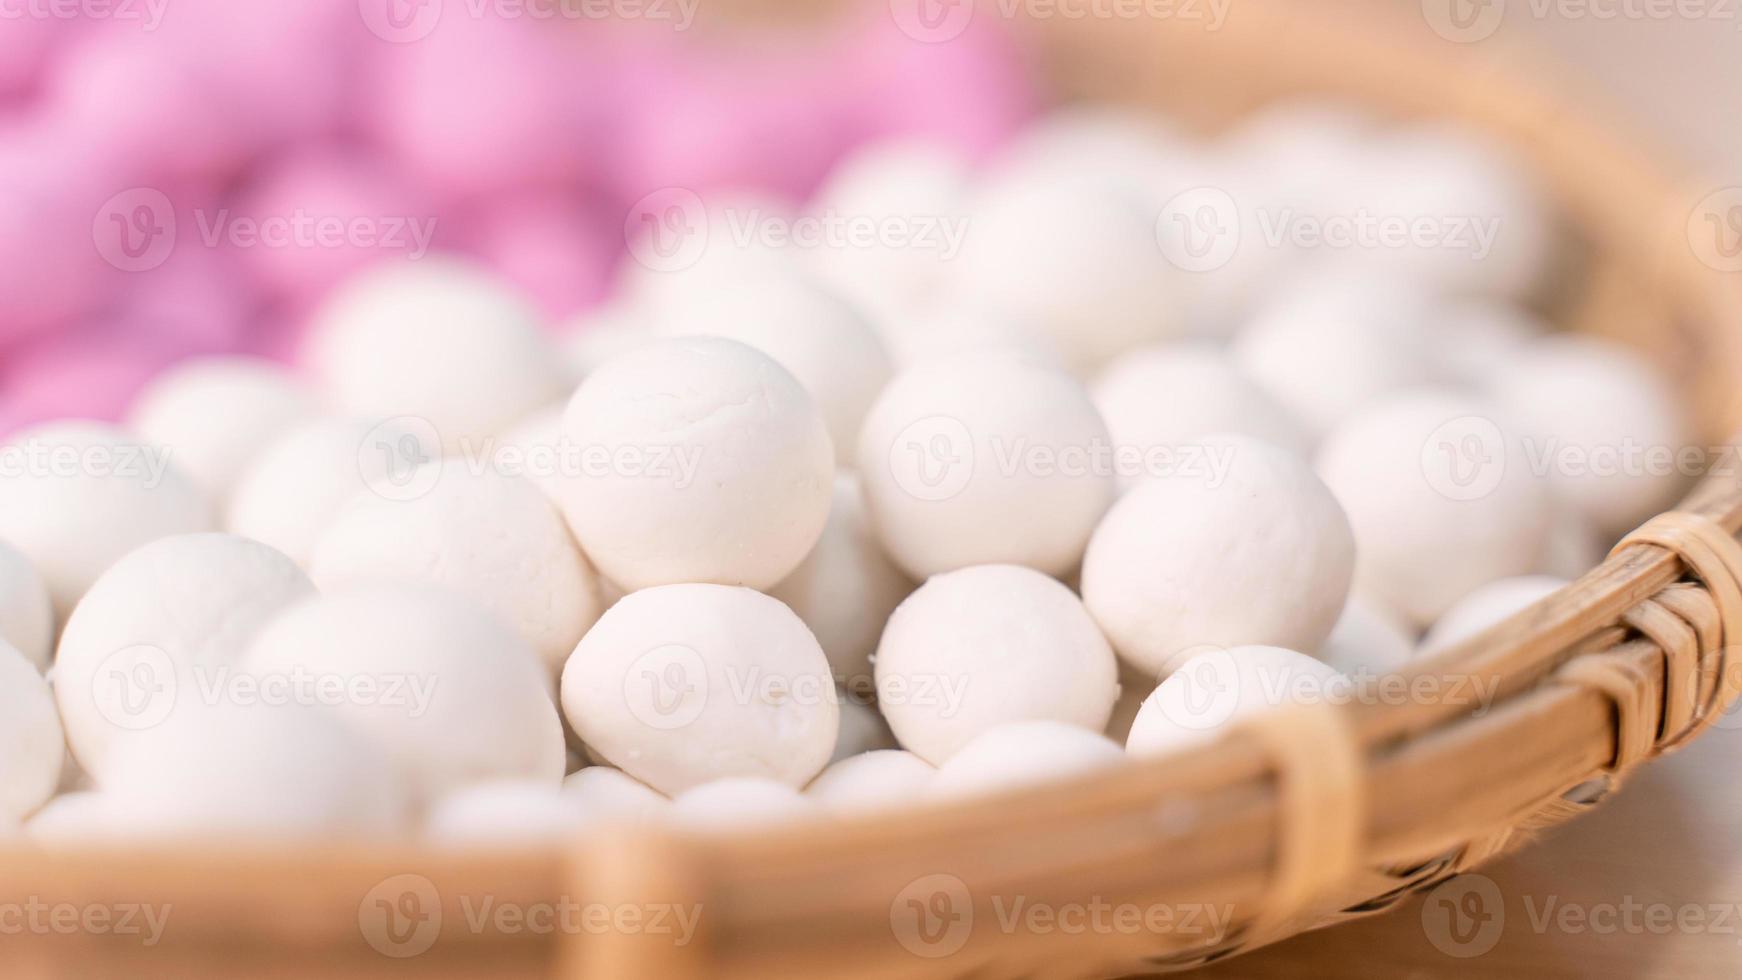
(821, 530)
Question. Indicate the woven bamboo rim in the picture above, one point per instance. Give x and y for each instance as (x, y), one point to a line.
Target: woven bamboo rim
(1308, 818)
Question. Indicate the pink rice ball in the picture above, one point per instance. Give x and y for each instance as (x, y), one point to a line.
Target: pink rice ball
(558, 248)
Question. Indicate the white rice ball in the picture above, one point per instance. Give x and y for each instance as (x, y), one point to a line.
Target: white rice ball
(75, 496)
(1218, 689)
(612, 795)
(32, 745)
(846, 587)
(1610, 427)
(877, 780)
(75, 820)
(494, 539)
(1488, 606)
(1023, 754)
(162, 633)
(438, 340)
(454, 696)
(292, 490)
(505, 812)
(26, 612)
(1476, 339)
(739, 803)
(1441, 499)
(683, 684)
(955, 329)
(1368, 640)
(534, 448)
(1249, 548)
(596, 336)
(1166, 396)
(987, 646)
(721, 466)
(982, 460)
(215, 414)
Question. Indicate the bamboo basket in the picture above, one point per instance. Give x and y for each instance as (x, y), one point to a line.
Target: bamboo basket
(1312, 817)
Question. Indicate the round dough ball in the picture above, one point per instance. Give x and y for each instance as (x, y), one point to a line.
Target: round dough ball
(600, 334)
(26, 613)
(1077, 257)
(1113, 143)
(291, 491)
(1167, 396)
(494, 539)
(879, 780)
(683, 684)
(720, 466)
(534, 448)
(987, 646)
(454, 696)
(957, 329)
(161, 634)
(739, 803)
(1488, 606)
(438, 340)
(862, 728)
(505, 812)
(611, 795)
(1608, 427)
(1368, 640)
(827, 344)
(1441, 498)
(1023, 754)
(214, 414)
(276, 771)
(1475, 339)
(846, 588)
(32, 746)
(1245, 547)
(1216, 690)
(1326, 348)
(75, 496)
(976, 460)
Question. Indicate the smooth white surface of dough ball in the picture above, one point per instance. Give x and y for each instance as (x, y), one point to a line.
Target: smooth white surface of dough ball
(721, 467)
(826, 342)
(1488, 606)
(291, 491)
(1609, 426)
(255, 770)
(846, 587)
(534, 448)
(215, 414)
(74, 820)
(1441, 498)
(1327, 347)
(26, 612)
(1023, 754)
(612, 795)
(1476, 339)
(591, 338)
(506, 812)
(1368, 640)
(876, 780)
(986, 646)
(862, 728)
(958, 328)
(738, 803)
(1077, 257)
(684, 684)
(985, 459)
(1218, 689)
(32, 745)
(1113, 143)
(160, 632)
(497, 540)
(1246, 547)
(1170, 395)
(453, 695)
(76, 496)
(438, 340)
(713, 249)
